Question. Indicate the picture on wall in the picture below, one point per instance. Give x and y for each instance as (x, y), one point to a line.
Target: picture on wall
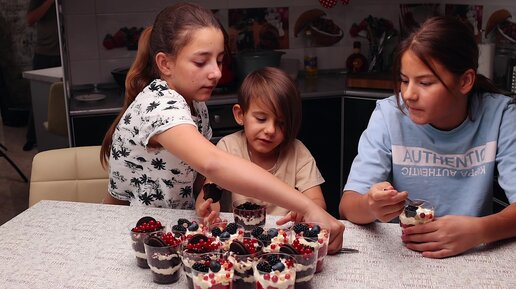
(258, 28)
(471, 14)
(413, 15)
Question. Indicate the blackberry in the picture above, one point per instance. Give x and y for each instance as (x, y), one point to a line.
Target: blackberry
(197, 238)
(216, 232)
(178, 228)
(298, 228)
(310, 234)
(257, 231)
(266, 239)
(248, 206)
(200, 267)
(264, 266)
(184, 222)
(231, 228)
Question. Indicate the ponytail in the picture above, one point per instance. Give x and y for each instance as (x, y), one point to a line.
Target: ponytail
(141, 73)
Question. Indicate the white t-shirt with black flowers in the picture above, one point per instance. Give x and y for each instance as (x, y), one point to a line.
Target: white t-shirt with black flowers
(154, 176)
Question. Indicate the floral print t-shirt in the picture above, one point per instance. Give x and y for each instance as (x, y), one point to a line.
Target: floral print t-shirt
(154, 176)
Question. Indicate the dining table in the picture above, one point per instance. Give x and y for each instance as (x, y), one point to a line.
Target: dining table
(57, 244)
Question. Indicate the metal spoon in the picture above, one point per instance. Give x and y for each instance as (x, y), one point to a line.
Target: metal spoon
(347, 251)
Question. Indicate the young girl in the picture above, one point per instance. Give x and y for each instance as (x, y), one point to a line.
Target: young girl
(159, 141)
(441, 140)
(269, 109)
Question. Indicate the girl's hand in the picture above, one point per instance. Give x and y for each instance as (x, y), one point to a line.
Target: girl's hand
(317, 214)
(291, 217)
(208, 213)
(385, 202)
(444, 237)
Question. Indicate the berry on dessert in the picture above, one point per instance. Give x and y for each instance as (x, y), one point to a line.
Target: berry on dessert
(249, 214)
(274, 271)
(312, 235)
(272, 238)
(212, 273)
(188, 228)
(226, 232)
(306, 262)
(415, 215)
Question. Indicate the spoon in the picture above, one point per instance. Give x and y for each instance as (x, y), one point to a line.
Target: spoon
(415, 203)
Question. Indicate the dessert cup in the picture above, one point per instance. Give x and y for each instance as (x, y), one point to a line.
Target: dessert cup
(314, 235)
(417, 212)
(275, 271)
(306, 263)
(193, 253)
(189, 227)
(164, 257)
(212, 271)
(249, 213)
(243, 254)
(225, 233)
(138, 237)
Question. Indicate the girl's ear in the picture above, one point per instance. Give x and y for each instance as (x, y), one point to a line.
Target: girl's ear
(238, 114)
(467, 80)
(164, 64)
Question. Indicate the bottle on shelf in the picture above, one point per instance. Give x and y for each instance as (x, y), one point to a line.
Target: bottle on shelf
(356, 62)
(310, 59)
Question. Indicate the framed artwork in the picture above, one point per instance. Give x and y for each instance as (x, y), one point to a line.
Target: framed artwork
(471, 14)
(258, 28)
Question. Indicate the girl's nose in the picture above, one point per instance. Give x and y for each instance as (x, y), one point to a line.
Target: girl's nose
(410, 92)
(270, 127)
(216, 73)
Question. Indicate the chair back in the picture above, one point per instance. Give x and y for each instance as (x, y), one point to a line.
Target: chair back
(69, 174)
(56, 122)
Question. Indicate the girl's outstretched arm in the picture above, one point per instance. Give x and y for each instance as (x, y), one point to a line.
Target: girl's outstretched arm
(239, 175)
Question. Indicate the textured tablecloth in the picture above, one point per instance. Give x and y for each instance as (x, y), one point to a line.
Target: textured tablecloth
(78, 245)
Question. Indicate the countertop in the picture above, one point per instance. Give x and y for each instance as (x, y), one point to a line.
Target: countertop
(53, 74)
(77, 245)
(327, 84)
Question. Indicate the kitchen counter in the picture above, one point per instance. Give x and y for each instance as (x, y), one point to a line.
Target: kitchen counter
(40, 82)
(327, 84)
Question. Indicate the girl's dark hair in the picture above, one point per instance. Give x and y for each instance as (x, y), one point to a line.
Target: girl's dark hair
(172, 30)
(449, 41)
(275, 89)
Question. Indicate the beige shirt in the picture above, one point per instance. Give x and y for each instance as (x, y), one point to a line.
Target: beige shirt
(296, 167)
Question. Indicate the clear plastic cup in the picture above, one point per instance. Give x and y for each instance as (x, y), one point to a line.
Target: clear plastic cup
(225, 234)
(191, 255)
(137, 239)
(243, 262)
(316, 236)
(279, 276)
(249, 213)
(417, 212)
(217, 272)
(306, 264)
(164, 260)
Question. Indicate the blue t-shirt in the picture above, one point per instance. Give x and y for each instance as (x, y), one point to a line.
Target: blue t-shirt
(453, 169)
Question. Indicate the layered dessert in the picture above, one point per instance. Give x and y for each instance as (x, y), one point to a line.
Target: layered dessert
(275, 271)
(188, 228)
(226, 232)
(415, 213)
(306, 262)
(315, 236)
(162, 250)
(144, 227)
(249, 214)
(243, 254)
(212, 271)
(196, 246)
(271, 238)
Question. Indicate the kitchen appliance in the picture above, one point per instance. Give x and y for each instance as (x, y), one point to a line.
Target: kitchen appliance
(505, 68)
(119, 74)
(250, 60)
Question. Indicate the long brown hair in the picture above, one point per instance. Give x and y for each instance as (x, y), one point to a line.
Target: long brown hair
(171, 31)
(450, 42)
(275, 89)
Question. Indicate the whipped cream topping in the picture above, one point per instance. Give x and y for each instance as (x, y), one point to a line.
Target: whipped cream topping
(208, 280)
(282, 282)
(165, 271)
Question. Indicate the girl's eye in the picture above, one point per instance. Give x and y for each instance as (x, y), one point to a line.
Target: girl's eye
(425, 83)
(199, 64)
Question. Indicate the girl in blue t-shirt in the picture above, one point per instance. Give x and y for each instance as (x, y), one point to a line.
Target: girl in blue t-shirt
(441, 138)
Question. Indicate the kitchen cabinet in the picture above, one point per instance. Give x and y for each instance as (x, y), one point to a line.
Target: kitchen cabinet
(322, 134)
(90, 130)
